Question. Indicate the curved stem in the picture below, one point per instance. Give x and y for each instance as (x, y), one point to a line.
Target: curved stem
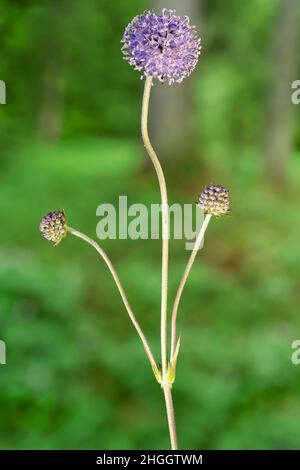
(165, 223)
(121, 290)
(183, 281)
(171, 416)
(165, 261)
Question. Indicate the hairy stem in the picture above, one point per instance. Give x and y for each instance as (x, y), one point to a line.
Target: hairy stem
(183, 281)
(165, 223)
(121, 290)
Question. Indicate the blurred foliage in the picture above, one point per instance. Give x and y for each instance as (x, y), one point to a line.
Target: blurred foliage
(76, 376)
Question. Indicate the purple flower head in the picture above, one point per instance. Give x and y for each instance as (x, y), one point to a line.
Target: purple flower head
(53, 226)
(163, 46)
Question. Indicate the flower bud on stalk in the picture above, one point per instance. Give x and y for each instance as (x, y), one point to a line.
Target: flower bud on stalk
(214, 200)
(53, 226)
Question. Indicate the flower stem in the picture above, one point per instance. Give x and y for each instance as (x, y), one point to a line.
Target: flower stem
(171, 416)
(122, 292)
(165, 222)
(183, 281)
(166, 386)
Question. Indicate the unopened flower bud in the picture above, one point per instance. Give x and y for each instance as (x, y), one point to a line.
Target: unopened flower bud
(214, 200)
(53, 226)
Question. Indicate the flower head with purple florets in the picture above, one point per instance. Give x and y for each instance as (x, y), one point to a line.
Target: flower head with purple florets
(53, 226)
(163, 46)
(215, 200)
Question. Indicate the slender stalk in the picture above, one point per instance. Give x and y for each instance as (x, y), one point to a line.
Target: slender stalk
(121, 290)
(171, 416)
(165, 262)
(165, 222)
(183, 281)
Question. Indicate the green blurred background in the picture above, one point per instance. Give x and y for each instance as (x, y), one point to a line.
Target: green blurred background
(76, 376)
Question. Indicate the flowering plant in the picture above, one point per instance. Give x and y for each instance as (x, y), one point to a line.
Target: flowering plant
(164, 47)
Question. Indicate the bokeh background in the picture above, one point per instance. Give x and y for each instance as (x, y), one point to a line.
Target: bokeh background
(76, 376)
